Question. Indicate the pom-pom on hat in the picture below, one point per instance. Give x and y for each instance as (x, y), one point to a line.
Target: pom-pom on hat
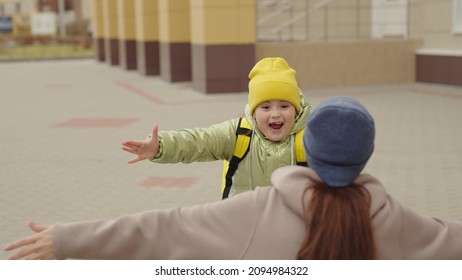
(339, 140)
(273, 79)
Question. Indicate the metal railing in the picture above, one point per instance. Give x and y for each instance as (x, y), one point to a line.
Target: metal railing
(275, 13)
(324, 20)
(298, 17)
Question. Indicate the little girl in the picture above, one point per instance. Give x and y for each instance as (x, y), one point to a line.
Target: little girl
(276, 111)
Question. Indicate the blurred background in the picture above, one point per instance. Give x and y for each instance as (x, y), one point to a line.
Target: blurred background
(38, 29)
(331, 43)
(77, 77)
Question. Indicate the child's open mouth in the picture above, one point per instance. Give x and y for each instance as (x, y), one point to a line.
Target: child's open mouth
(276, 125)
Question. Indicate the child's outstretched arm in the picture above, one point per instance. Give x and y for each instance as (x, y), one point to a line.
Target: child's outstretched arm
(143, 149)
(36, 247)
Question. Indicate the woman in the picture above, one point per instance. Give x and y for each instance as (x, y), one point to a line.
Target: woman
(327, 211)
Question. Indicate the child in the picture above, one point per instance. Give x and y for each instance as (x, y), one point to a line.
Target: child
(276, 111)
(327, 211)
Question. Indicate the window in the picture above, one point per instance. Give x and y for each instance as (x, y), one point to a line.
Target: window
(389, 18)
(18, 7)
(269, 3)
(457, 16)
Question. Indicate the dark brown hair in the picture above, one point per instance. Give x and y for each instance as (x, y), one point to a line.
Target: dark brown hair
(338, 225)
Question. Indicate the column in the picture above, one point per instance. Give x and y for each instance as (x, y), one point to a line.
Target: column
(97, 22)
(174, 40)
(127, 33)
(147, 37)
(223, 44)
(111, 36)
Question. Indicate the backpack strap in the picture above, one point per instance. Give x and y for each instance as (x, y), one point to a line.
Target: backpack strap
(300, 156)
(241, 148)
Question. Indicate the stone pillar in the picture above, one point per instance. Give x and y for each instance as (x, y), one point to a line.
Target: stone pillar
(127, 33)
(147, 37)
(174, 40)
(97, 22)
(223, 37)
(111, 33)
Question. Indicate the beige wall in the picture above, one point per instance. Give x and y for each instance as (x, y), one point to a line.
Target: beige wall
(146, 20)
(111, 30)
(431, 20)
(370, 62)
(337, 21)
(97, 18)
(126, 19)
(346, 20)
(174, 21)
(222, 22)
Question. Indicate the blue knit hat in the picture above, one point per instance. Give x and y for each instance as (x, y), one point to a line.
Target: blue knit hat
(339, 140)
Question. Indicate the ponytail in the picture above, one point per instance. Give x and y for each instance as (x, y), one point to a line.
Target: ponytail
(338, 225)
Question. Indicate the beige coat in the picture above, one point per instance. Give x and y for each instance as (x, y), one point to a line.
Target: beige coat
(263, 224)
(217, 143)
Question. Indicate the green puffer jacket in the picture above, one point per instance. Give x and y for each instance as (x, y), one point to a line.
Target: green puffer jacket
(217, 143)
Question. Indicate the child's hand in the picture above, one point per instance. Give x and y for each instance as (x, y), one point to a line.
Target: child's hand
(36, 247)
(143, 149)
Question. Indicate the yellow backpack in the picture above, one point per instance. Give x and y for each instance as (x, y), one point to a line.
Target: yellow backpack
(242, 147)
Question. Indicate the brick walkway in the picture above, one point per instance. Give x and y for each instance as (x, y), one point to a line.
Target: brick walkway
(62, 124)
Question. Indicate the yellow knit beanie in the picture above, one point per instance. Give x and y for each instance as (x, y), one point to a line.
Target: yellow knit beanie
(273, 79)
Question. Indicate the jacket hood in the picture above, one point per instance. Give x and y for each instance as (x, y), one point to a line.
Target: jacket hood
(300, 119)
(291, 182)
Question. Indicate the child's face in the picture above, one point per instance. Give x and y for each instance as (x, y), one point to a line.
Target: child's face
(275, 118)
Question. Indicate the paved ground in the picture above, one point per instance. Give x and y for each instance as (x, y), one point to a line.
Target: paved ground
(62, 123)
